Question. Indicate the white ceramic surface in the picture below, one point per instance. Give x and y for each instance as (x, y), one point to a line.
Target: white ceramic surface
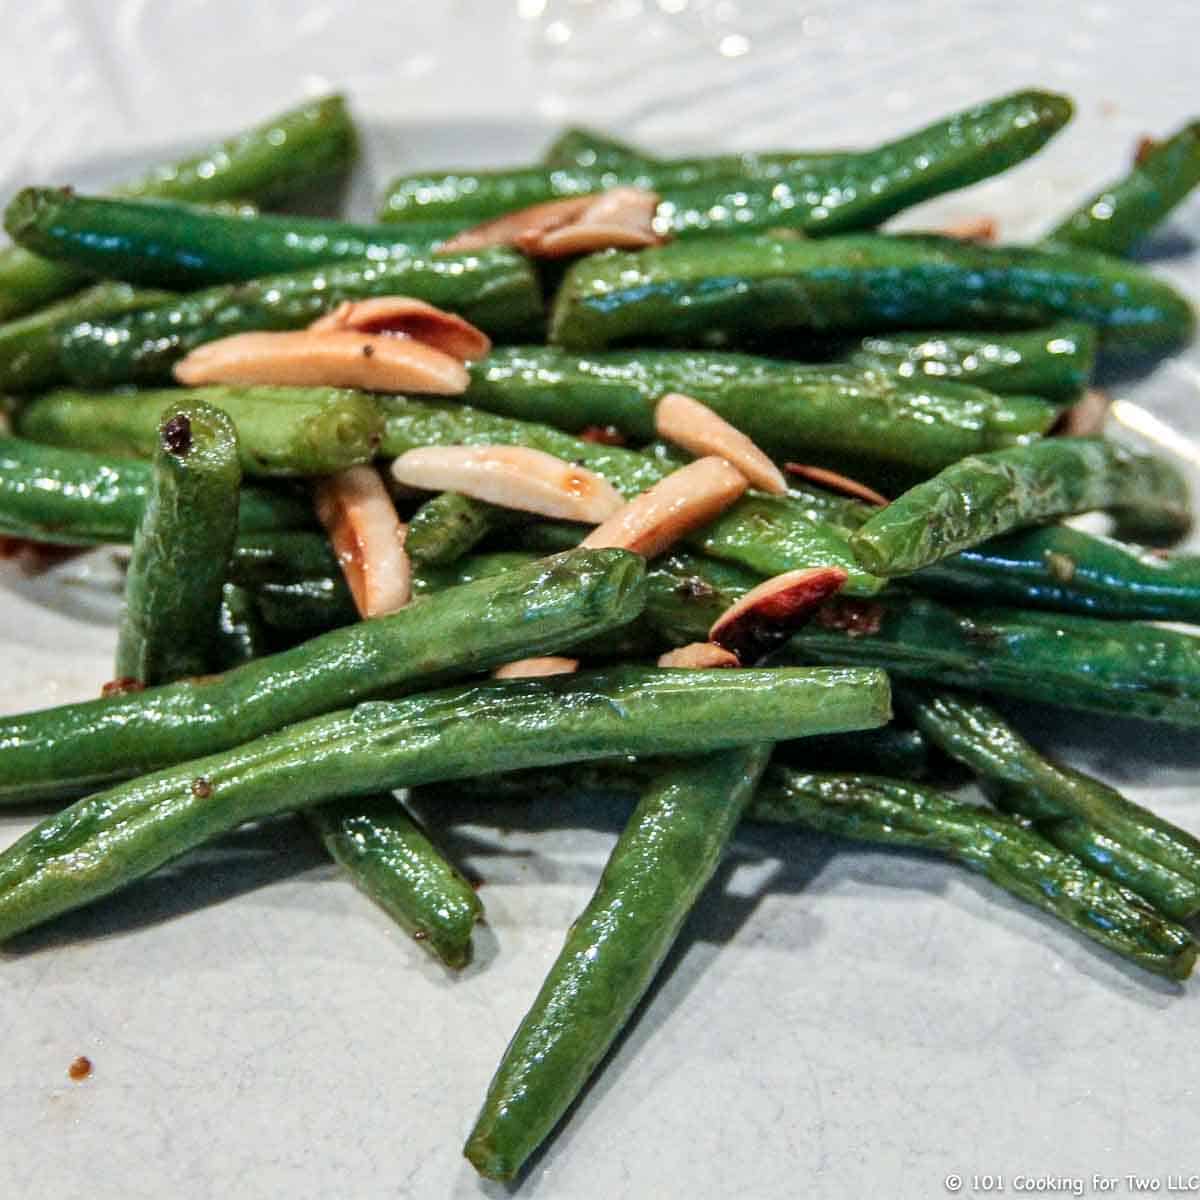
(837, 1022)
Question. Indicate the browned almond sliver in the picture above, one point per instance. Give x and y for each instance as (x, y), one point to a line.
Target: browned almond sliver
(512, 477)
(403, 316)
(1085, 418)
(342, 358)
(368, 539)
(695, 427)
(619, 219)
(509, 229)
(685, 500)
(972, 229)
(700, 656)
(534, 668)
(837, 483)
(767, 614)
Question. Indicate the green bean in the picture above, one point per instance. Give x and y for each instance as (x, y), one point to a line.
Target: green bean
(189, 246)
(448, 526)
(112, 838)
(1119, 216)
(578, 146)
(827, 193)
(662, 861)
(535, 610)
(390, 857)
(69, 496)
(29, 345)
(1120, 667)
(289, 155)
(281, 430)
(171, 619)
(1079, 814)
(1055, 362)
(241, 632)
(1065, 569)
(989, 494)
(282, 557)
(852, 416)
(495, 289)
(298, 609)
(770, 533)
(875, 809)
(725, 292)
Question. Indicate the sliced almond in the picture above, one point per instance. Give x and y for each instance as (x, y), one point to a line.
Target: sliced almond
(767, 614)
(368, 539)
(1085, 418)
(699, 656)
(534, 668)
(507, 230)
(685, 500)
(403, 316)
(619, 219)
(972, 229)
(837, 483)
(695, 427)
(342, 358)
(512, 477)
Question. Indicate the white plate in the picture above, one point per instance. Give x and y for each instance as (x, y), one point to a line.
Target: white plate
(837, 1021)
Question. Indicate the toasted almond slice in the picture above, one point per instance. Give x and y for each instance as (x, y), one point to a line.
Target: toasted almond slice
(621, 218)
(767, 614)
(695, 427)
(685, 500)
(513, 477)
(507, 230)
(533, 668)
(1085, 418)
(699, 656)
(368, 539)
(403, 316)
(837, 483)
(341, 358)
(972, 229)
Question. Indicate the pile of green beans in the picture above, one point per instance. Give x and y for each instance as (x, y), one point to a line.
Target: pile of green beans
(938, 372)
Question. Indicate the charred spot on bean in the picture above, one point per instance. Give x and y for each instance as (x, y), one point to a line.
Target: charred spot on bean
(855, 618)
(177, 435)
(202, 787)
(695, 588)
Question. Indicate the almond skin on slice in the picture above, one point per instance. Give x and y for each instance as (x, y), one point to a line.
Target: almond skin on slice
(506, 230)
(534, 668)
(837, 483)
(512, 477)
(685, 500)
(699, 656)
(972, 229)
(368, 539)
(768, 614)
(404, 316)
(341, 358)
(1085, 418)
(620, 219)
(695, 427)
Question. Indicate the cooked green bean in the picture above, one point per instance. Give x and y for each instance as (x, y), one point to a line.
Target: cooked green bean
(1079, 814)
(538, 609)
(241, 632)
(495, 289)
(448, 526)
(831, 192)
(1055, 362)
(170, 624)
(286, 156)
(189, 246)
(875, 809)
(738, 289)
(848, 415)
(390, 857)
(1124, 668)
(989, 494)
(662, 861)
(578, 146)
(296, 609)
(1119, 216)
(281, 430)
(771, 533)
(507, 724)
(73, 497)
(29, 345)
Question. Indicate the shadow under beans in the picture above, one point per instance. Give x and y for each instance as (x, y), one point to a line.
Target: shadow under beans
(1164, 245)
(241, 862)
